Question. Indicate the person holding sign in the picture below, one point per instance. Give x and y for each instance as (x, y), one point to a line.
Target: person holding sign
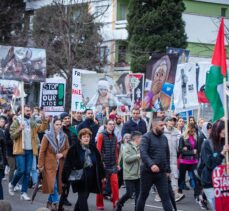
(213, 154)
(24, 149)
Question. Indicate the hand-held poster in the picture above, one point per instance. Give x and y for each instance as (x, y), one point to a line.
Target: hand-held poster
(220, 180)
(137, 89)
(23, 64)
(52, 96)
(185, 91)
(159, 84)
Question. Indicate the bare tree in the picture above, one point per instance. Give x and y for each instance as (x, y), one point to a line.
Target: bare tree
(70, 36)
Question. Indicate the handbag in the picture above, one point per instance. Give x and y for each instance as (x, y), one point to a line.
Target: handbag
(76, 175)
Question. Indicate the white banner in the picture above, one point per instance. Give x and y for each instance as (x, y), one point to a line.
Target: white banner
(52, 96)
(77, 99)
(185, 90)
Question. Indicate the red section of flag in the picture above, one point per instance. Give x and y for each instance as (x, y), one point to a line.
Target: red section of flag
(219, 54)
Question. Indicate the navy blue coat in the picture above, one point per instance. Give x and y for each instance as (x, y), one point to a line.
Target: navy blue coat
(131, 126)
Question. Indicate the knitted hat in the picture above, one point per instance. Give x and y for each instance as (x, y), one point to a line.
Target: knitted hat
(64, 114)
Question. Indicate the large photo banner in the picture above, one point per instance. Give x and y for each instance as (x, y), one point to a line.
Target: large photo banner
(159, 83)
(23, 64)
(185, 90)
(106, 90)
(52, 96)
(9, 93)
(137, 89)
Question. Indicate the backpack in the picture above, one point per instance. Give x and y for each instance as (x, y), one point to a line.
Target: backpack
(201, 164)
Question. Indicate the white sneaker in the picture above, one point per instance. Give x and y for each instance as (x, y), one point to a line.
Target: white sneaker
(11, 189)
(24, 196)
(17, 188)
(157, 198)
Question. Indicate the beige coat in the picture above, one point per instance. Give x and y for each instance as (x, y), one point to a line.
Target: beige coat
(47, 161)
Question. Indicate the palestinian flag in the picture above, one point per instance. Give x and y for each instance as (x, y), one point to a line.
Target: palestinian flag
(215, 76)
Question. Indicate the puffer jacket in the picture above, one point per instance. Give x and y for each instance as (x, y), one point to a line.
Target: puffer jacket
(131, 161)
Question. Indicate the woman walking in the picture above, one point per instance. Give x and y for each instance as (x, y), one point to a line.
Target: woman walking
(213, 154)
(84, 157)
(54, 147)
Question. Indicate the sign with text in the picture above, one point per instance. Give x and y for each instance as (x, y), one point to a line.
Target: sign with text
(220, 180)
(52, 96)
(77, 99)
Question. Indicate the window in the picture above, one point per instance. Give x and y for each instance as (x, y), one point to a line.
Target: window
(223, 12)
(103, 52)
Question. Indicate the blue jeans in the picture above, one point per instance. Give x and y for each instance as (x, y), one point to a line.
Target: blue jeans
(24, 165)
(34, 173)
(54, 198)
(1, 189)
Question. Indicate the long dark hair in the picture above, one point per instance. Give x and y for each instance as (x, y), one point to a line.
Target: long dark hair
(217, 141)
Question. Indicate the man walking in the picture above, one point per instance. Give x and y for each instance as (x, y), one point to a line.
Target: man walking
(90, 124)
(136, 123)
(155, 169)
(25, 149)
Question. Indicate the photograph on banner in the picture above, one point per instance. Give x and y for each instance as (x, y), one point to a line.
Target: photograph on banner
(52, 96)
(9, 93)
(159, 82)
(23, 64)
(182, 53)
(185, 89)
(202, 68)
(106, 90)
(137, 89)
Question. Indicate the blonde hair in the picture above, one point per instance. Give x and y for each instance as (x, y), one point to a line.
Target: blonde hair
(188, 130)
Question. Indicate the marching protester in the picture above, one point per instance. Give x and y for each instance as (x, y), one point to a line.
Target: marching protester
(25, 149)
(90, 124)
(173, 136)
(188, 146)
(155, 169)
(83, 157)
(131, 169)
(54, 147)
(71, 133)
(180, 125)
(77, 118)
(136, 123)
(3, 160)
(107, 145)
(213, 154)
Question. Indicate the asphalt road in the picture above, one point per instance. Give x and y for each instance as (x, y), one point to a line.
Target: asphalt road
(187, 204)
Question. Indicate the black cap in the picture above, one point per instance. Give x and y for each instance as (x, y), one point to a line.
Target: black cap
(3, 117)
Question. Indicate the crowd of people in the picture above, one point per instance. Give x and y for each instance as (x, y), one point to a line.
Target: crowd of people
(100, 152)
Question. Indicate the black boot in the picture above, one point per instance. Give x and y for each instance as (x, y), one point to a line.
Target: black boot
(118, 207)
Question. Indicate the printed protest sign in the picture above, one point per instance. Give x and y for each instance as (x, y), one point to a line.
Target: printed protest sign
(23, 64)
(52, 96)
(221, 188)
(185, 90)
(159, 84)
(137, 88)
(77, 99)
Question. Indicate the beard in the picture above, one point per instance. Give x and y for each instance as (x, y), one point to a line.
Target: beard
(159, 132)
(27, 116)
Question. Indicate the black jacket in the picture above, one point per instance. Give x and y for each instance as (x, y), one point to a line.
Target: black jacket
(131, 126)
(189, 154)
(154, 150)
(212, 159)
(75, 160)
(90, 124)
(3, 161)
(72, 138)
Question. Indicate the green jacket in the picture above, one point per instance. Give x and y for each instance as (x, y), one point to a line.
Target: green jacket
(131, 161)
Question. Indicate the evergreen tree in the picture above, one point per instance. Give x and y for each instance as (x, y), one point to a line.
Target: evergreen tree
(12, 22)
(154, 25)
